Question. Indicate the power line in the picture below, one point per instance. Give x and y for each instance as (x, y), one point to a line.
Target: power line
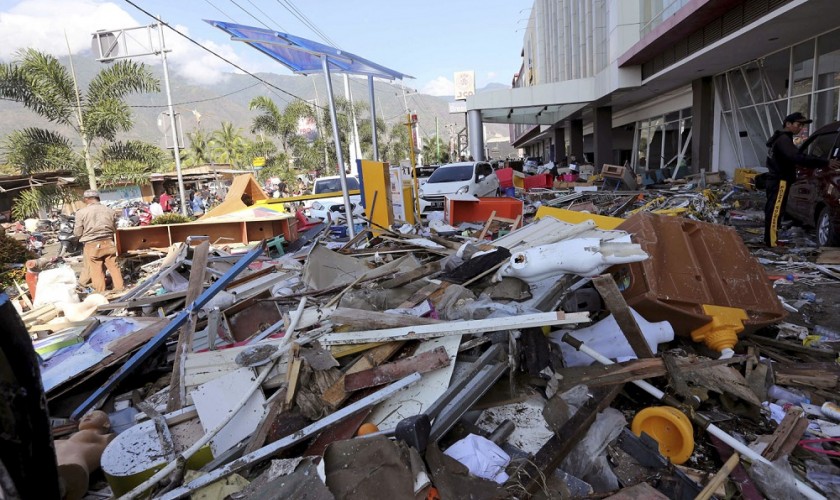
(288, 5)
(211, 5)
(217, 55)
(198, 100)
(266, 15)
(247, 12)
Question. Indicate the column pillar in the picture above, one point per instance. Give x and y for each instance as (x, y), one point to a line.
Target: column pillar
(476, 134)
(576, 139)
(702, 124)
(559, 145)
(603, 137)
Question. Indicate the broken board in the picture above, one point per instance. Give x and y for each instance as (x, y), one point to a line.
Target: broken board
(217, 398)
(418, 397)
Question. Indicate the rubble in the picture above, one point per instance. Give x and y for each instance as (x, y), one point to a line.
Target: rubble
(251, 368)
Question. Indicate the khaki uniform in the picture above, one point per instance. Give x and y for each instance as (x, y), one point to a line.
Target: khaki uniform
(95, 227)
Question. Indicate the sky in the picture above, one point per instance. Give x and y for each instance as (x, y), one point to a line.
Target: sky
(429, 39)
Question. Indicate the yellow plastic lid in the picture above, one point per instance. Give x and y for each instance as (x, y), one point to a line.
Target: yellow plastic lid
(670, 428)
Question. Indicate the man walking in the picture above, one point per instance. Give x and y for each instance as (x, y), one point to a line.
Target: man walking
(95, 227)
(782, 159)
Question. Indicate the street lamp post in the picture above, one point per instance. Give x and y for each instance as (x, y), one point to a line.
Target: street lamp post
(112, 45)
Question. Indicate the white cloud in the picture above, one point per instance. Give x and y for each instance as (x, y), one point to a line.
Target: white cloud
(41, 24)
(440, 86)
(491, 75)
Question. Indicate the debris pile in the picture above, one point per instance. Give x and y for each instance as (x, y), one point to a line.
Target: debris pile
(578, 354)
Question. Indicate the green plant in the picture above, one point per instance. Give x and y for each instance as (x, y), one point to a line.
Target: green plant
(13, 251)
(170, 219)
(29, 202)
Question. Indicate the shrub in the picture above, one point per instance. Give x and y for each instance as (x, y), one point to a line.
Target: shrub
(12, 252)
(172, 218)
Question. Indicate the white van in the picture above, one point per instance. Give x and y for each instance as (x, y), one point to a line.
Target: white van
(474, 177)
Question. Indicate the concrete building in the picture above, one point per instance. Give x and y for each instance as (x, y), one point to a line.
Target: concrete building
(661, 83)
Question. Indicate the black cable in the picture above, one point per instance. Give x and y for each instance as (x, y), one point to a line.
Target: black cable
(267, 16)
(196, 101)
(219, 56)
(255, 18)
(220, 10)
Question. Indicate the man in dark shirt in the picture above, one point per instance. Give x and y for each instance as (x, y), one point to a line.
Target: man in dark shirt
(782, 159)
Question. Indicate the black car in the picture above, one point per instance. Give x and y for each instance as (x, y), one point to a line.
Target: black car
(814, 198)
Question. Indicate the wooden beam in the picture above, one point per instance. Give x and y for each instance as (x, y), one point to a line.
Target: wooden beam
(623, 316)
(639, 369)
(552, 453)
(177, 391)
(389, 372)
(413, 275)
(373, 320)
(336, 394)
(787, 435)
(423, 332)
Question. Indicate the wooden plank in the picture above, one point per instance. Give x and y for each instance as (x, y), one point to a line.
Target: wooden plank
(335, 394)
(621, 312)
(292, 377)
(373, 320)
(720, 477)
(423, 332)
(486, 226)
(422, 294)
(411, 276)
(177, 390)
(142, 301)
(552, 453)
(638, 369)
(786, 435)
(389, 372)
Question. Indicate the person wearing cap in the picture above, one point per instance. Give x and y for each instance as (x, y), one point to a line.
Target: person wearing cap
(95, 228)
(782, 159)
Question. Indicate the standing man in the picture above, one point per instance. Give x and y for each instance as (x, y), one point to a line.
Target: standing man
(95, 227)
(165, 201)
(782, 159)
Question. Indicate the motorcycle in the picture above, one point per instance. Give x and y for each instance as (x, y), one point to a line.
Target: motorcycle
(69, 242)
(35, 243)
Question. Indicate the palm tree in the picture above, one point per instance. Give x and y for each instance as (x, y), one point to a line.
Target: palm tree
(43, 85)
(280, 124)
(228, 144)
(130, 162)
(200, 150)
(435, 151)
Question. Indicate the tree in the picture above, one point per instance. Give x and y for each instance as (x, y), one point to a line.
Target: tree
(280, 124)
(43, 85)
(199, 151)
(396, 144)
(130, 162)
(435, 151)
(228, 144)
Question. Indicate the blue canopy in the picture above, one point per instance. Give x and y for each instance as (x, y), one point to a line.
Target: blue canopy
(303, 56)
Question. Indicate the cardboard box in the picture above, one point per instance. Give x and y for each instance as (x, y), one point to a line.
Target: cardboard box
(623, 174)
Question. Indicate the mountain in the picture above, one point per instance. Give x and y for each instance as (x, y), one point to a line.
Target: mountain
(227, 100)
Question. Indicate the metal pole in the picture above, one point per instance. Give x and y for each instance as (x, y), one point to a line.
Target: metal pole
(348, 212)
(373, 119)
(176, 150)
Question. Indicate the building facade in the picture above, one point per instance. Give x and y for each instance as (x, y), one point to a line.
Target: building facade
(678, 84)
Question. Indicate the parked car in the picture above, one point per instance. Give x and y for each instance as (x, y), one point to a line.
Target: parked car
(475, 177)
(814, 198)
(334, 206)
